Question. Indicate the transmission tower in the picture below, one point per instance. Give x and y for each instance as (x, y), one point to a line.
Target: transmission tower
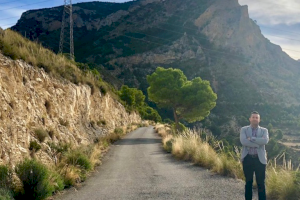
(67, 12)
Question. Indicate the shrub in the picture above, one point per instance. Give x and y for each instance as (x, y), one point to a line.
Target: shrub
(60, 147)
(35, 179)
(281, 184)
(168, 145)
(181, 128)
(103, 90)
(56, 180)
(71, 175)
(41, 134)
(118, 131)
(5, 194)
(77, 158)
(5, 176)
(34, 146)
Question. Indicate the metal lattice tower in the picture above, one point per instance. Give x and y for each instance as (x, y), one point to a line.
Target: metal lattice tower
(67, 12)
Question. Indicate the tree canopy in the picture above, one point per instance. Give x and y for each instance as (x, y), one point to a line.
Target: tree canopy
(190, 100)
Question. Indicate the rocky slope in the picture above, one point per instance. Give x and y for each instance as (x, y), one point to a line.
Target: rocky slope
(30, 99)
(213, 39)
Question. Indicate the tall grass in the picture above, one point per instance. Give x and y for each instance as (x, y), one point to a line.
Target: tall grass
(282, 182)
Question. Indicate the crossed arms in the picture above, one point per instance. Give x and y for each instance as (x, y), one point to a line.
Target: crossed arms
(254, 141)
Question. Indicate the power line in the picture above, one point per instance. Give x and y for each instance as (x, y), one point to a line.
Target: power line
(24, 5)
(280, 30)
(8, 2)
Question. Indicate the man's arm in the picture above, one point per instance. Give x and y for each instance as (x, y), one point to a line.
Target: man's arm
(245, 141)
(263, 140)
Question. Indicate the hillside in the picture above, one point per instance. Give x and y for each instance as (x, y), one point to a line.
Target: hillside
(213, 39)
(34, 101)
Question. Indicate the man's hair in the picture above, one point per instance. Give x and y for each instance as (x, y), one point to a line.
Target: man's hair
(255, 112)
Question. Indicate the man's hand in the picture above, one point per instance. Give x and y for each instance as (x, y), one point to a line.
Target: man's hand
(249, 138)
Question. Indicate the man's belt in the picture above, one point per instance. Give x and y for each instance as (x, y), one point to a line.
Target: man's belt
(253, 156)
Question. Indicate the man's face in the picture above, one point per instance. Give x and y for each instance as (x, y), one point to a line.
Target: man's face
(254, 119)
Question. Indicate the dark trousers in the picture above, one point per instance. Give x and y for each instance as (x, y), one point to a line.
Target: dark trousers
(251, 165)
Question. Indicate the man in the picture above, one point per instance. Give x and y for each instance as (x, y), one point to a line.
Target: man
(253, 156)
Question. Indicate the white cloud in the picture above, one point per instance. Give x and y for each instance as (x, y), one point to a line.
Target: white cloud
(274, 12)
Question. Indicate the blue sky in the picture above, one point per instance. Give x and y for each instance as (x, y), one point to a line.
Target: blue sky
(279, 20)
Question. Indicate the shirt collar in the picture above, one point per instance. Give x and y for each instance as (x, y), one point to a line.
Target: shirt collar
(254, 127)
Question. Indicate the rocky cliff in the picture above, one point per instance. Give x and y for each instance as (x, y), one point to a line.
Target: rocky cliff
(30, 99)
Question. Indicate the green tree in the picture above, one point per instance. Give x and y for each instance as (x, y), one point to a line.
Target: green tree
(189, 100)
(279, 134)
(132, 96)
(135, 99)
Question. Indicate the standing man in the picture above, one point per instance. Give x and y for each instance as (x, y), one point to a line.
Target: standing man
(253, 156)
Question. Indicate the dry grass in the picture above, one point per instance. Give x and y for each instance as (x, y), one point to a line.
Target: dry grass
(163, 130)
(281, 183)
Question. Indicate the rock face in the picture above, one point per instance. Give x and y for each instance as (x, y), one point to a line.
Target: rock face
(30, 99)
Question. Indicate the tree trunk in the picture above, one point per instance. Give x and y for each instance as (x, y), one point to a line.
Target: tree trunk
(176, 120)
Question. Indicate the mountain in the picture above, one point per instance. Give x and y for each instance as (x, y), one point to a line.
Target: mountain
(213, 39)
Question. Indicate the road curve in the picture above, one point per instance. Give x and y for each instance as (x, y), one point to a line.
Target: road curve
(138, 168)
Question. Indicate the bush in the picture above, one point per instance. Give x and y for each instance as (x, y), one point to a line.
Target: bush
(181, 128)
(77, 158)
(148, 113)
(110, 138)
(282, 184)
(103, 90)
(5, 176)
(168, 146)
(60, 147)
(34, 146)
(118, 131)
(41, 134)
(35, 179)
(57, 181)
(5, 194)
(71, 175)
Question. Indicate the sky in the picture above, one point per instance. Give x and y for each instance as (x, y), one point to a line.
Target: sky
(279, 20)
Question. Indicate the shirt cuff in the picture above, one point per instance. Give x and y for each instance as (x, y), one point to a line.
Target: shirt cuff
(253, 139)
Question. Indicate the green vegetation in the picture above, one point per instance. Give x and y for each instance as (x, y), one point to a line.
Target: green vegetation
(77, 158)
(189, 100)
(118, 131)
(41, 134)
(34, 146)
(40, 181)
(35, 179)
(5, 194)
(135, 100)
(5, 177)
